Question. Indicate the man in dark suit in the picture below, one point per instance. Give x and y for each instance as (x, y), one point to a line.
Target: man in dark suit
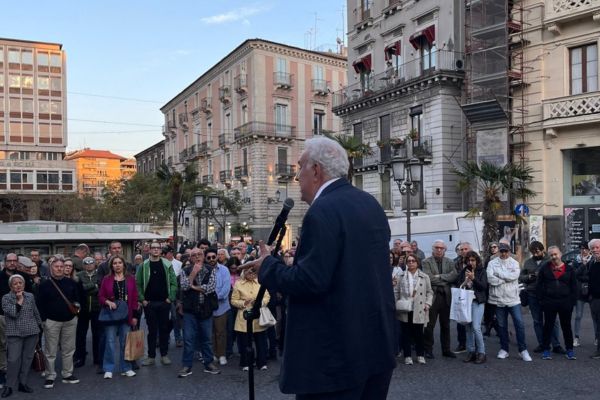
(339, 335)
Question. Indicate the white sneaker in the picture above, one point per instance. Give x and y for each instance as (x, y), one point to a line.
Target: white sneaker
(408, 361)
(108, 375)
(245, 369)
(525, 355)
(502, 354)
(223, 360)
(421, 360)
(576, 342)
(128, 374)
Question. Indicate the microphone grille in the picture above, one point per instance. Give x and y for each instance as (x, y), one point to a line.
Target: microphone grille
(288, 203)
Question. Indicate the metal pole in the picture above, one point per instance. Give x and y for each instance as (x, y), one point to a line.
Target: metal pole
(408, 185)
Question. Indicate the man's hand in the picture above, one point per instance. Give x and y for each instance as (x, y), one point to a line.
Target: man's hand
(264, 252)
(20, 297)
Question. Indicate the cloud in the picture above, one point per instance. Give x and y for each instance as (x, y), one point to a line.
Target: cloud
(239, 14)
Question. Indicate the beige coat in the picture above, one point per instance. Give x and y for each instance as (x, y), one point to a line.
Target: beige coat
(424, 296)
(246, 290)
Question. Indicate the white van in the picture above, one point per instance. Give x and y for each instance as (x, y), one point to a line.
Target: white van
(452, 228)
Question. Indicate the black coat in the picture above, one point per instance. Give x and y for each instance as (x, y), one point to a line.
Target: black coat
(340, 319)
(480, 283)
(556, 293)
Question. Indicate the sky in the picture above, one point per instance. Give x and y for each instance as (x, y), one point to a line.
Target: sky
(127, 58)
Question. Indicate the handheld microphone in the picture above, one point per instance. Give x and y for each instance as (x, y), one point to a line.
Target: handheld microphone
(288, 204)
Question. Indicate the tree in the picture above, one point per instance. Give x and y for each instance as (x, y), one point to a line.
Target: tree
(181, 187)
(492, 181)
(230, 204)
(354, 147)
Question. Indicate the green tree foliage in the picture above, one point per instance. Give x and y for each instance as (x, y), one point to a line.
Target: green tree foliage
(354, 147)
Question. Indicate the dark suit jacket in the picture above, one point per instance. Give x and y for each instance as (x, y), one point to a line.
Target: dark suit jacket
(340, 320)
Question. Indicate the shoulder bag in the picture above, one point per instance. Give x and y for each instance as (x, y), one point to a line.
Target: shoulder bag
(119, 314)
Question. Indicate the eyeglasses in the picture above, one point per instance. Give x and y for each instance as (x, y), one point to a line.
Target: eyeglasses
(211, 257)
(11, 260)
(411, 261)
(155, 247)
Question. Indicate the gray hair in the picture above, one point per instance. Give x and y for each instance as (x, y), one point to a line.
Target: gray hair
(593, 242)
(330, 155)
(554, 248)
(13, 277)
(439, 241)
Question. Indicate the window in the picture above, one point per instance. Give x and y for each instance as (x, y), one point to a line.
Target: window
(416, 124)
(280, 118)
(43, 83)
(2, 179)
(209, 136)
(210, 167)
(244, 113)
(245, 158)
(14, 56)
(281, 65)
(318, 72)
(386, 191)
(283, 190)
(27, 57)
(358, 181)
(385, 152)
(14, 81)
(357, 132)
(55, 85)
(43, 60)
(67, 180)
(428, 55)
(318, 117)
(584, 69)
(282, 160)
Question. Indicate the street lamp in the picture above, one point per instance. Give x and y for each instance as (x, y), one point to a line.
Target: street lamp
(205, 204)
(407, 174)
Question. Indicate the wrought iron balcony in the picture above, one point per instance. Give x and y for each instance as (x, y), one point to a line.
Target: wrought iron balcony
(422, 148)
(264, 129)
(240, 83)
(207, 179)
(171, 124)
(285, 171)
(282, 80)
(203, 149)
(320, 86)
(225, 176)
(183, 119)
(192, 153)
(183, 155)
(224, 141)
(240, 172)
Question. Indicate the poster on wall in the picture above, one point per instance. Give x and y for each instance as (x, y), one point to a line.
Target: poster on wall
(586, 185)
(594, 223)
(574, 227)
(536, 228)
(507, 231)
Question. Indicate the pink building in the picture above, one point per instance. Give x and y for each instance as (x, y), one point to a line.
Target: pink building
(245, 120)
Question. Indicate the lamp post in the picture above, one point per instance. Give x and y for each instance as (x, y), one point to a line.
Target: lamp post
(205, 204)
(407, 174)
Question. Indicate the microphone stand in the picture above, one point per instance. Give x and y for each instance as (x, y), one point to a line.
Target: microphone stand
(254, 313)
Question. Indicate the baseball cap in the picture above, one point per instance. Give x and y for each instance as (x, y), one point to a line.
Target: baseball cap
(503, 247)
(88, 260)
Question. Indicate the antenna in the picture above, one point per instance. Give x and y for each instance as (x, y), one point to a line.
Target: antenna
(315, 31)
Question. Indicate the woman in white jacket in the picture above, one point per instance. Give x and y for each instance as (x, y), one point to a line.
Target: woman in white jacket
(414, 296)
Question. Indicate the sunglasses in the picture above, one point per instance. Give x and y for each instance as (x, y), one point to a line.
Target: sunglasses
(211, 257)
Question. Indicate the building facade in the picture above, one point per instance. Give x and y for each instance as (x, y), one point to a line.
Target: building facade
(562, 125)
(244, 123)
(148, 160)
(98, 168)
(405, 77)
(33, 127)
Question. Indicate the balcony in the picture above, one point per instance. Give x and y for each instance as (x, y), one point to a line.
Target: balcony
(192, 153)
(195, 111)
(207, 179)
(572, 110)
(264, 129)
(392, 7)
(282, 80)
(183, 120)
(203, 149)
(225, 176)
(171, 125)
(225, 94)
(285, 171)
(241, 173)
(560, 11)
(183, 155)
(405, 75)
(363, 18)
(419, 147)
(422, 148)
(224, 141)
(170, 160)
(320, 87)
(206, 105)
(240, 84)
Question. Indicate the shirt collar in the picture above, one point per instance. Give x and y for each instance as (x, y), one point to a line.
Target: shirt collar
(323, 187)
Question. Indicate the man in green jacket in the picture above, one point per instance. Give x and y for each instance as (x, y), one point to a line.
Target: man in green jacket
(157, 287)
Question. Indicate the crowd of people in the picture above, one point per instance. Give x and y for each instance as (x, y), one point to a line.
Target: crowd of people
(546, 284)
(195, 294)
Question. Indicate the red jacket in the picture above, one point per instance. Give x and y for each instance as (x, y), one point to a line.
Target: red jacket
(107, 293)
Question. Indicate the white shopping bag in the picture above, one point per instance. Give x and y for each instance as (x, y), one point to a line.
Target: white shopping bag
(460, 309)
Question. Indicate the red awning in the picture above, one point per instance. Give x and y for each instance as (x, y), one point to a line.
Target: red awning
(362, 65)
(427, 34)
(392, 50)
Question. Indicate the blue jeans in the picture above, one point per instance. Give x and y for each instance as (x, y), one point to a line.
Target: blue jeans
(517, 317)
(474, 334)
(538, 321)
(111, 332)
(176, 319)
(579, 314)
(196, 330)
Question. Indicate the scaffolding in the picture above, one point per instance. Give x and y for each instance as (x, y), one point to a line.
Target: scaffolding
(495, 73)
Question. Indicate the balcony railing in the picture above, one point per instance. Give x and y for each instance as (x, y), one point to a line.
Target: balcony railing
(192, 152)
(240, 172)
(170, 160)
(183, 155)
(171, 124)
(320, 86)
(207, 179)
(403, 75)
(282, 80)
(240, 83)
(563, 10)
(285, 170)
(206, 105)
(225, 176)
(183, 119)
(264, 129)
(203, 149)
(572, 110)
(224, 140)
(225, 94)
(420, 147)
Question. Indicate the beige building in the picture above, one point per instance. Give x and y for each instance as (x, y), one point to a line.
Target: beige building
(562, 122)
(33, 128)
(244, 123)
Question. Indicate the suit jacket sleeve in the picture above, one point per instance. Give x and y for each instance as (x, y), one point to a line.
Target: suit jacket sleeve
(314, 266)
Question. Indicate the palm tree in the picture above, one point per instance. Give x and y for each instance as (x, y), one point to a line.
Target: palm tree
(354, 147)
(178, 184)
(492, 181)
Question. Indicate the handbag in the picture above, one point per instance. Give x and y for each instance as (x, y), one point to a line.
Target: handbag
(406, 305)
(38, 363)
(266, 318)
(134, 345)
(115, 316)
(73, 307)
(460, 308)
